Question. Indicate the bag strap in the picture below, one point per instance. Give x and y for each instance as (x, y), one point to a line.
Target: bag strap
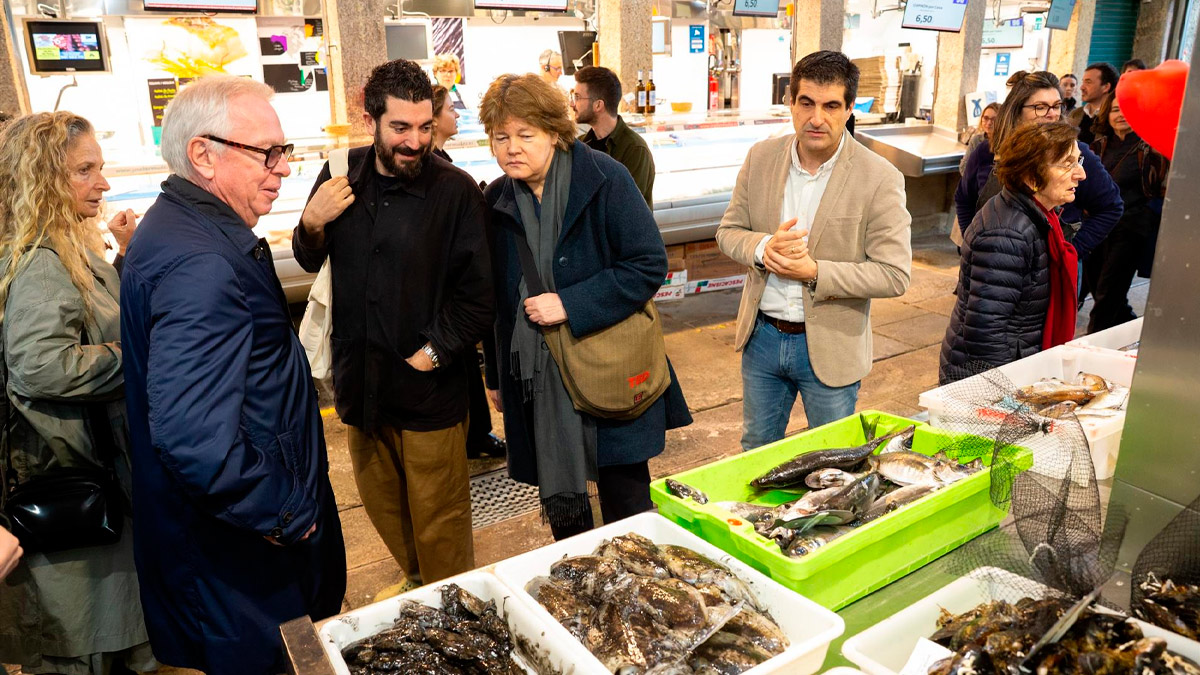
(533, 280)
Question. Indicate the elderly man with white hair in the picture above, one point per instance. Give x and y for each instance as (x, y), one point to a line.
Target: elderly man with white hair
(236, 526)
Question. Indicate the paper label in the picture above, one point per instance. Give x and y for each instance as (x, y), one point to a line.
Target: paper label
(925, 654)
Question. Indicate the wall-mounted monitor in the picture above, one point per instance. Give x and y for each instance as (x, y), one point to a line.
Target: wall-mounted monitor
(765, 8)
(1059, 16)
(941, 15)
(412, 40)
(58, 47)
(1009, 34)
(576, 49)
(201, 5)
(528, 5)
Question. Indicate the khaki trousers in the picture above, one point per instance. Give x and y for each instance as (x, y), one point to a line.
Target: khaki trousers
(416, 490)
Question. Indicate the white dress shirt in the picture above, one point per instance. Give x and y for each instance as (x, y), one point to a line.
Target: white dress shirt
(784, 298)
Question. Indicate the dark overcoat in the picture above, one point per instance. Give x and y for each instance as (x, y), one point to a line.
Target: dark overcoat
(228, 446)
(609, 261)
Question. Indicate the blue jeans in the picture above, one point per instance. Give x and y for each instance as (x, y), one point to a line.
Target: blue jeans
(775, 367)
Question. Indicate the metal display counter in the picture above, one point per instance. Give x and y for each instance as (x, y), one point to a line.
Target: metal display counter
(919, 150)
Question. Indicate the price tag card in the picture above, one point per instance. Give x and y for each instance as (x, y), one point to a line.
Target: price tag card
(925, 654)
(944, 15)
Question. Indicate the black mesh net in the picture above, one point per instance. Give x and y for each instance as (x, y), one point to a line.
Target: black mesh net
(1166, 576)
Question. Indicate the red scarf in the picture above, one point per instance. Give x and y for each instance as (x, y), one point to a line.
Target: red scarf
(1064, 274)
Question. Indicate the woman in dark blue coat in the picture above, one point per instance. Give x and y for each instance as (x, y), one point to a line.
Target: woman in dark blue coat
(599, 252)
(1036, 99)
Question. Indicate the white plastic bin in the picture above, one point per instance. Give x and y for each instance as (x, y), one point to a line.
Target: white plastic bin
(809, 627)
(529, 631)
(1063, 362)
(1113, 338)
(884, 648)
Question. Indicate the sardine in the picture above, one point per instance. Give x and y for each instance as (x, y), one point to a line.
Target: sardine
(683, 491)
(828, 478)
(795, 470)
(894, 500)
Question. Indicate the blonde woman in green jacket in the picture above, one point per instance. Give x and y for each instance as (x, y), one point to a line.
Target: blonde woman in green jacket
(74, 612)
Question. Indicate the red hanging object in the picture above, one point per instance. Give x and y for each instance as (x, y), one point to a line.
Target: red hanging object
(1151, 101)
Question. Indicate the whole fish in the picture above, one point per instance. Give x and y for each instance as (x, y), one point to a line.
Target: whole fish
(905, 468)
(837, 505)
(894, 500)
(1052, 390)
(683, 491)
(901, 441)
(827, 478)
(1059, 410)
(1114, 398)
(807, 505)
(946, 471)
(795, 470)
(751, 513)
(811, 541)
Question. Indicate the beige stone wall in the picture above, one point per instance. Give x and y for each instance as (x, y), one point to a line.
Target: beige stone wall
(1150, 39)
(957, 72)
(1069, 48)
(14, 99)
(357, 44)
(817, 26)
(625, 38)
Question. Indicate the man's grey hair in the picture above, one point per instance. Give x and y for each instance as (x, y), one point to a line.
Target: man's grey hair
(200, 108)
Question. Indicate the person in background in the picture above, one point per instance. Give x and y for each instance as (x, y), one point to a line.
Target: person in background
(76, 610)
(1069, 84)
(986, 120)
(1099, 83)
(1133, 64)
(1141, 173)
(1016, 279)
(1034, 98)
(550, 67)
(412, 296)
(804, 324)
(594, 101)
(447, 72)
(599, 252)
(237, 527)
(445, 121)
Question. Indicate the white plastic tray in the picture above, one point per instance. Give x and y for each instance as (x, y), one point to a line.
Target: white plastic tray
(1113, 338)
(809, 627)
(884, 648)
(528, 630)
(1063, 362)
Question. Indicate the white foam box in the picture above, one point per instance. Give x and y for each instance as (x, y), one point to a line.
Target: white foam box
(668, 293)
(1113, 338)
(1063, 362)
(884, 648)
(721, 284)
(530, 635)
(809, 627)
(678, 278)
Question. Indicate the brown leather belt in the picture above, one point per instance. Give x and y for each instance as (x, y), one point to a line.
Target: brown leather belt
(785, 327)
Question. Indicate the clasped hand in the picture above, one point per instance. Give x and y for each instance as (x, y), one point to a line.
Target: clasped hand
(787, 255)
(546, 309)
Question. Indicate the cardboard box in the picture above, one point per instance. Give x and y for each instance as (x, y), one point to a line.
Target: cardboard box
(676, 258)
(722, 284)
(706, 261)
(669, 293)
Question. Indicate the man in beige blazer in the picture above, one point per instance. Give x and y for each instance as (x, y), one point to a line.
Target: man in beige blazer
(804, 323)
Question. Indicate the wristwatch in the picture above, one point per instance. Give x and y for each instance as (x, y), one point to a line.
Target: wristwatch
(811, 284)
(433, 356)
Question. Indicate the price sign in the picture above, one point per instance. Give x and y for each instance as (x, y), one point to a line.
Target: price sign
(1009, 34)
(764, 8)
(1059, 15)
(944, 15)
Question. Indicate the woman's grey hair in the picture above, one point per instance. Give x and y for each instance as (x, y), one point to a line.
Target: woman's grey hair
(200, 108)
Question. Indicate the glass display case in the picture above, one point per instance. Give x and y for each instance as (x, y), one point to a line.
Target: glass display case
(696, 158)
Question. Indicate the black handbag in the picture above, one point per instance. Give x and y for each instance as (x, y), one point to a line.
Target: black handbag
(67, 507)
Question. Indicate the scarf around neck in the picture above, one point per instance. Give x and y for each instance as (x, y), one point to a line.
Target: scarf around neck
(1064, 273)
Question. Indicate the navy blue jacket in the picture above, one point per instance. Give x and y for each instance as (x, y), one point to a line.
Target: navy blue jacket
(228, 446)
(1097, 202)
(610, 261)
(1003, 288)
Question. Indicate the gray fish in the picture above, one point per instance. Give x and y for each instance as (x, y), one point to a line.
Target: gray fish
(947, 471)
(894, 500)
(795, 470)
(683, 491)
(905, 467)
(1114, 398)
(830, 478)
(899, 442)
(749, 512)
(813, 540)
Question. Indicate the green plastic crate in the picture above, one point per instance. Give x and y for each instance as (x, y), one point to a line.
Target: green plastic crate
(857, 563)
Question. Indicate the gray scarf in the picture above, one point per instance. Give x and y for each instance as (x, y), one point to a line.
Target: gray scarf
(564, 440)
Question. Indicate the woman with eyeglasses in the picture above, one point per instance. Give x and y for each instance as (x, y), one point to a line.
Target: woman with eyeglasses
(1140, 172)
(1017, 275)
(447, 71)
(1035, 98)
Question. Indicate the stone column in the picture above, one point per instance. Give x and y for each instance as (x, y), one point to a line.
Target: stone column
(625, 38)
(1069, 48)
(817, 25)
(1153, 30)
(354, 29)
(14, 99)
(957, 72)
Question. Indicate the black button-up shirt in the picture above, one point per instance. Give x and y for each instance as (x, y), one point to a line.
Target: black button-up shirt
(409, 266)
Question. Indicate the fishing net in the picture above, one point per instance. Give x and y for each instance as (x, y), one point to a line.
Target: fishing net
(1166, 576)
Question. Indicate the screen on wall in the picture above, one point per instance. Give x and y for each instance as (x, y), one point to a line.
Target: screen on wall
(1059, 16)
(1007, 34)
(57, 47)
(535, 5)
(203, 5)
(768, 8)
(943, 15)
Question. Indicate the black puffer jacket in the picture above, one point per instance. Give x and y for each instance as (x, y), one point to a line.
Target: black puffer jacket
(1003, 287)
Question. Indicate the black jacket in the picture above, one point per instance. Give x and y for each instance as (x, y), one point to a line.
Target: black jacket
(1003, 288)
(611, 260)
(410, 265)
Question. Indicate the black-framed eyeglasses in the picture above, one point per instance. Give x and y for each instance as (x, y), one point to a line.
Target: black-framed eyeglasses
(271, 155)
(1043, 109)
